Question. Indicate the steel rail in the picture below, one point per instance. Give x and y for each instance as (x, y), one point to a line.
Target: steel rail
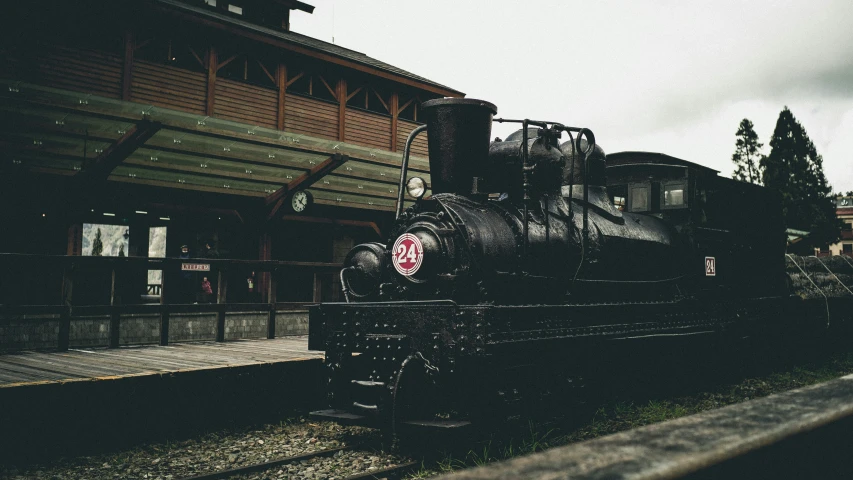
(256, 467)
(389, 473)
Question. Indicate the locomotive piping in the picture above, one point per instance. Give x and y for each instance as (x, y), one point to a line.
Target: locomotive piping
(404, 168)
(344, 288)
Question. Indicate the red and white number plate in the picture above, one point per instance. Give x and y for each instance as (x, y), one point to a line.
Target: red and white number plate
(408, 254)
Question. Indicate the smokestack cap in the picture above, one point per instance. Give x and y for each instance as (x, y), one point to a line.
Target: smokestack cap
(459, 131)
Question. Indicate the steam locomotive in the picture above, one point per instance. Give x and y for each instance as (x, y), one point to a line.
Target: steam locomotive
(534, 259)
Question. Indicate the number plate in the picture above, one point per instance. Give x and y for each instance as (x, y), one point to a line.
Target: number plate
(408, 254)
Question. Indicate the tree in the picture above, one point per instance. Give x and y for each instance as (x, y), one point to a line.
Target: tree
(97, 245)
(121, 250)
(796, 169)
(747, 154)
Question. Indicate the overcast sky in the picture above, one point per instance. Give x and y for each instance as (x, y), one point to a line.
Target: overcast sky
(664, 76)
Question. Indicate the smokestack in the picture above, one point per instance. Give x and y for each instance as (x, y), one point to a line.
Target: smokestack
(459, 131)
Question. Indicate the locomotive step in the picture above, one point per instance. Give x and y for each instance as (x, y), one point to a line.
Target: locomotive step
(340, 416)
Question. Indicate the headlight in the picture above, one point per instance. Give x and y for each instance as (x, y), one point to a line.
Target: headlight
(416, 187)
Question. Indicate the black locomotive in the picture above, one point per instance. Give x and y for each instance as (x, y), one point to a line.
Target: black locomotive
(524, 267)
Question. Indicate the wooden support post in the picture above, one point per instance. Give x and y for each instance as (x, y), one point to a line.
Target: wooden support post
(164, 323)
(271, 291)
(394, 106)
(220, 323)
(115, 321)
(64, 339)
(115, 318)
(75, 239)
(281, 77)
(221, 291)
(113, 286)
(127, 73)
(211, 80)
(163, 286)
(342, 109)
(264, 253)
(221, 287)
(65, 314)
(318, 288)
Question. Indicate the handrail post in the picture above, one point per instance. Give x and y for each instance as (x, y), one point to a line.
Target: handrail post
(271, 292)
(164, 325)
(115, 315)
(64, 340)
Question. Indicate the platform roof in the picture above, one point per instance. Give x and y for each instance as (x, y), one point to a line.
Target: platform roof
(305, 44)
(54, 131)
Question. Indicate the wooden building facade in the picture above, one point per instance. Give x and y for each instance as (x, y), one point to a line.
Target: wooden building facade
(203, 116)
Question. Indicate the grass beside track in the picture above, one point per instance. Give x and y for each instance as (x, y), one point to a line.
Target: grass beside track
(636, 406)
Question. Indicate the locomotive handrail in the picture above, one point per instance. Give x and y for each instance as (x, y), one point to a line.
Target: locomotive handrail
(404, 167)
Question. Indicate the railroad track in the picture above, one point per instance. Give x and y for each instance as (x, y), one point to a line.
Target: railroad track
(390, 473)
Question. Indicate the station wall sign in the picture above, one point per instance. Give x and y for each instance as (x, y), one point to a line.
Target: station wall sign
(196, 267)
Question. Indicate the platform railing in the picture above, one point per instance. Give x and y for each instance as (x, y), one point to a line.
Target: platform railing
(120, 268)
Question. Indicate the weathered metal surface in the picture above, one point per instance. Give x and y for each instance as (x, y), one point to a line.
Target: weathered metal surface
(691, 445)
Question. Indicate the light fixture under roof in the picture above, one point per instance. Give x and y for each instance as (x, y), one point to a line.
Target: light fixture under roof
(164, 218)
(141, 212)
(109, 214)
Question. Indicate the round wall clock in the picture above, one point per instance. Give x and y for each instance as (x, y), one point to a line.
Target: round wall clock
(301, 200)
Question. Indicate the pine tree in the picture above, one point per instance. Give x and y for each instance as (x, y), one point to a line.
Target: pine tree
(796, 169)
(97, 245)
(747, 154)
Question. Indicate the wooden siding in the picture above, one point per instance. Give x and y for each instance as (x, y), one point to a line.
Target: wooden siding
(245, 103)
(310, 117)
(419, 147)
(168, 87)
(368, 129)
(79, 70)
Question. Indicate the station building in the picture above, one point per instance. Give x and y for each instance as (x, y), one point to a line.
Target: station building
(844, 212)
(135, 128)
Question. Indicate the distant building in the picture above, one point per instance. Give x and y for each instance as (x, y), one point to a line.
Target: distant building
(844, 211)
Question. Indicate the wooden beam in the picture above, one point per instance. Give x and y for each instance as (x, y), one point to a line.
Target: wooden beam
(211, 80)
(303, 181)
(354, 93)
(381, 100)
(128, 65)
(330, 89)
(333, 221)
(281, 81)
(342, 110)
(101, 167)
(395, 113)
(297, 77)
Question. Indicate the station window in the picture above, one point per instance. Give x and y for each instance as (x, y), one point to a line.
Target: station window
(847, 249)
(211, 3)
(639, 199)
(673, 195)
(235, 9)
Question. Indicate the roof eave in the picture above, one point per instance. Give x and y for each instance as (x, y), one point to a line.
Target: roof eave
(310, 51)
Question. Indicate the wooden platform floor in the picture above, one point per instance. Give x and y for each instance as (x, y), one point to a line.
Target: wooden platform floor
(82, 364)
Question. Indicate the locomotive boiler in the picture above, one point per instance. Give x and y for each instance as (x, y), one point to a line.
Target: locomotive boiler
(523, 269)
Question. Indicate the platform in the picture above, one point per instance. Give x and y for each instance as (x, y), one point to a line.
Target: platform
(94, 399)
(803, 433)
(97, 364)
